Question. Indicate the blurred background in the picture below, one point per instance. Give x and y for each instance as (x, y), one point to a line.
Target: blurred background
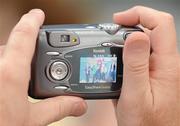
(81, 11)
(77, 11)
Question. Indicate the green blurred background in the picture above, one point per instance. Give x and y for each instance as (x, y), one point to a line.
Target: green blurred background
(81, 11)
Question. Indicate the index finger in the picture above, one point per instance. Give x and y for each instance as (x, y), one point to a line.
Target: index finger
(22, 40)
(163, 35)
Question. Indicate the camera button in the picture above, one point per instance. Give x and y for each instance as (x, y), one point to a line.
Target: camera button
(61, 87)
(90, 27)
(107, 44)
(126, 35)
(58, 70)
(110, 28)
(52, 53)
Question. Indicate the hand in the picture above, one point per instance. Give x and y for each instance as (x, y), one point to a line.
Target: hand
(15, 63)
(151, 88)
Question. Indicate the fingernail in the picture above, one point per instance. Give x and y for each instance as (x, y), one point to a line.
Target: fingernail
(116, 14)
(119, 13)
(36, 11)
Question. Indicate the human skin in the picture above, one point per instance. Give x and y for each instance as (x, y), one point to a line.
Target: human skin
(150, 92)
(15, 65)
(151, 87)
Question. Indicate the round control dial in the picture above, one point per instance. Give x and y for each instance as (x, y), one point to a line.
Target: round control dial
(58, 70)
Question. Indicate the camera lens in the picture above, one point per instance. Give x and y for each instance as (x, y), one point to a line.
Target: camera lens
(58, 70)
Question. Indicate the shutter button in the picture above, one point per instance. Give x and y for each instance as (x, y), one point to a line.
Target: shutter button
(110, 28)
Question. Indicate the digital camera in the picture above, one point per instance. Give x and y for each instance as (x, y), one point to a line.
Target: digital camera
(82, 60)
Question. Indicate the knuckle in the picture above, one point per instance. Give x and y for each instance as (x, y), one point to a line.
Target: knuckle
(4, 71)
(137, 67)
(26, 25)
(17, 48)
(34, 123)
(63, 109)
(60, 111)
(24, 28)
(168, 16)
(8, 72)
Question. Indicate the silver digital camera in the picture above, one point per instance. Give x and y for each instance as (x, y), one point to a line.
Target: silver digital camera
(82, 60)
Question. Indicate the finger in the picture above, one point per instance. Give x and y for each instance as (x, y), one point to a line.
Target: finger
(145, 16)
(146, 30)
(22, 40)
(136, 66)
(163, 36)
(2, 49)
(54, 109)
(114, 102)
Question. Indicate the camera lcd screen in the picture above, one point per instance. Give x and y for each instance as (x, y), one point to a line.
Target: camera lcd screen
(98, 69)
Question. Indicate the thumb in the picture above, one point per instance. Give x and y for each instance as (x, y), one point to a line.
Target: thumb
(136, 66)
(54, 109)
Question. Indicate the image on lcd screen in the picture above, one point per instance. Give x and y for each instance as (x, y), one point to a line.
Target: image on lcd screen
(98, 69)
